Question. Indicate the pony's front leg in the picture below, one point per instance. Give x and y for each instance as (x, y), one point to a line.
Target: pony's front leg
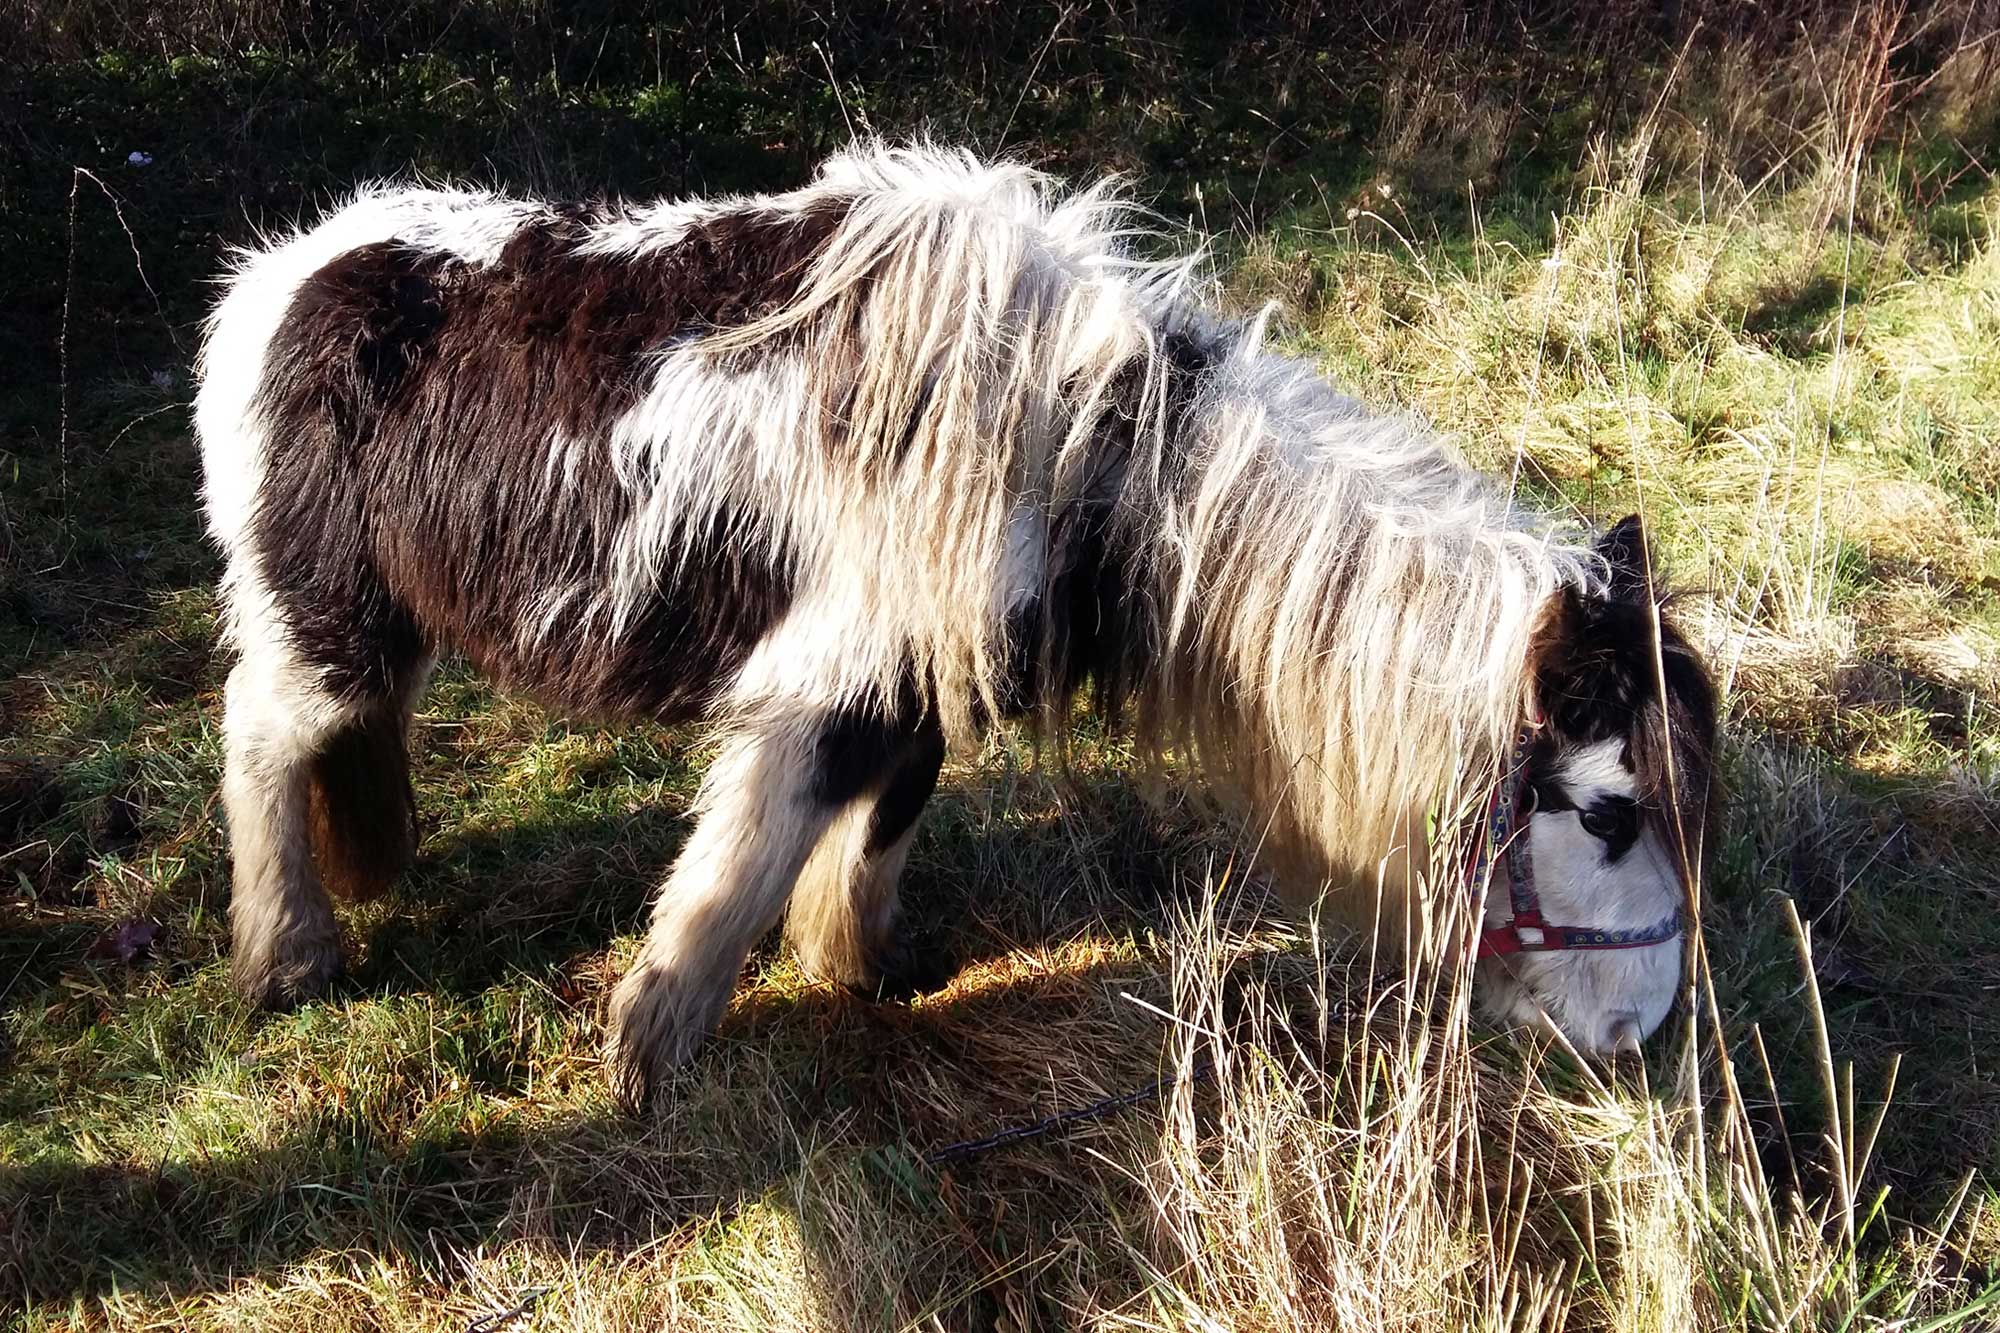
(759, 818)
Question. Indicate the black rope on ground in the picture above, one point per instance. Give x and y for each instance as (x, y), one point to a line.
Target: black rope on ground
(1203, 1071)
(492, 1322)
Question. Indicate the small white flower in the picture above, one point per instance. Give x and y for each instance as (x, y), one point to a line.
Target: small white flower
(138, 159)
(1386, 191)
(1353, 213)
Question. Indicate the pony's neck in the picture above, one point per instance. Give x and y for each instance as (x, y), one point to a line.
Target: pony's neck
(1345, 610)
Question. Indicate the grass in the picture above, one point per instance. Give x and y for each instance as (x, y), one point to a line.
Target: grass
(1807, 413)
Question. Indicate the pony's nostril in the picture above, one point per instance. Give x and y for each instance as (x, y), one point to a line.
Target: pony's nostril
(1624, 1035)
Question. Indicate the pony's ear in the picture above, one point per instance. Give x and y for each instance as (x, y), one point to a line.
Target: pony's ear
(1591, 654)
(1624, 551)
(1552, 648)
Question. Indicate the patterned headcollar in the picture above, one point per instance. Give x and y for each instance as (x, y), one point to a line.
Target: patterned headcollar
(1503, 834)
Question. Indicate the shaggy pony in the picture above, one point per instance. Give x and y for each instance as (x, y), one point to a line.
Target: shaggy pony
(851, 473)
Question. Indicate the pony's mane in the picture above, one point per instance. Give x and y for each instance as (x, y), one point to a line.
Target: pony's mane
(1337, 611)
(1350, 608)
(928, 400)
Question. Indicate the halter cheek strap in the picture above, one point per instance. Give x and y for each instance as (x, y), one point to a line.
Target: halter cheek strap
(1503, 833)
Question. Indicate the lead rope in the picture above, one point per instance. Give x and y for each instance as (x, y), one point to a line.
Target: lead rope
(1203, 1071)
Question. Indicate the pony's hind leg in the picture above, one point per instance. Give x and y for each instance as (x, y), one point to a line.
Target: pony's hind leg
(362, 811)
(316, 793)
(276, 719)
(842, 922)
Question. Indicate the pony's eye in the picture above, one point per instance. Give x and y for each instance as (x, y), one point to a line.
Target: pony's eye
(1609, 822)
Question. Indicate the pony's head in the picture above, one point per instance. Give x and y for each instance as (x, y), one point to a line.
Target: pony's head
(1599, 818)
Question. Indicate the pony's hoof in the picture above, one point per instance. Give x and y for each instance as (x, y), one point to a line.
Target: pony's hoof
(287, 972)
(657, 1024)
(903, 971)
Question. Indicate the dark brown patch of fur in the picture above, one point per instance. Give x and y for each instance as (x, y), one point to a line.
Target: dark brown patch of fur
(362, 815)
(1094, 625)
(904, 797)
(411, 402)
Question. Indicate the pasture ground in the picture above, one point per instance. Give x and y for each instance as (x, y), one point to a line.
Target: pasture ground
(1789, 362)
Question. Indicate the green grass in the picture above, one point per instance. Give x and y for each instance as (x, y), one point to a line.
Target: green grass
(1809, 418)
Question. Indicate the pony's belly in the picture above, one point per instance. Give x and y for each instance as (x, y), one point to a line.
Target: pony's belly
(583, 643)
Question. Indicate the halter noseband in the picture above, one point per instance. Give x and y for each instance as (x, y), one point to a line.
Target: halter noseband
(1503, 831)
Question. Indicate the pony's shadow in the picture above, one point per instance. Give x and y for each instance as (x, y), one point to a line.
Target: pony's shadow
(536, 898)
(791, 1087)
(998, 884)
(547, 896)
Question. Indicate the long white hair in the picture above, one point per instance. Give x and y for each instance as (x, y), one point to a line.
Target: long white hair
(1340, 609)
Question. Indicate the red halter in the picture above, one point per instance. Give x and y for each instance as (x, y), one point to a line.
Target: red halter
(1525, 931)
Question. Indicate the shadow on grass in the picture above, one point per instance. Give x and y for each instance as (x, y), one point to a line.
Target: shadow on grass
(550, 895)
(377, 1157)
(787, 1079)
(434, 1155)
(98, 534)
(1894, 874)
(1797, 319)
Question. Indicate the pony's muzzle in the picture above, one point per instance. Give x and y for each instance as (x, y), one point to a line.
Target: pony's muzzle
(1625, 1034)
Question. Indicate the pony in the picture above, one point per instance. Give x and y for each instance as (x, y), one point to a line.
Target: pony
(860, 471)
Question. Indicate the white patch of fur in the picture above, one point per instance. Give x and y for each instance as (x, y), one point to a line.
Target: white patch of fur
(648, 229)
(472, 226)
(758, 824)
(276, 718)
(1589, 993)
(1593, 772)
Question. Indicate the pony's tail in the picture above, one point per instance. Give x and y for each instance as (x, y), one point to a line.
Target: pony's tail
(363, 814)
